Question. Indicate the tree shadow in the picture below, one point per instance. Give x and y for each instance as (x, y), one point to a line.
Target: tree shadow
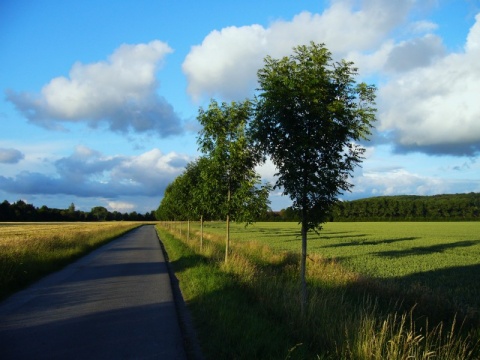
(129, 331)
(423, 250)
(441, 295)
(370, 242)
(186, 262)
(323, 237)
(327, 237)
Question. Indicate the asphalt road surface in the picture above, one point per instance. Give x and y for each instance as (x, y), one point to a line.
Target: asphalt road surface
(115, 303)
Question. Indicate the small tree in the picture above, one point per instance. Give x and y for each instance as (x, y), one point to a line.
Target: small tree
(202, 203)
(309, 115)
(99, 213)
(193, 193)
(231, 163)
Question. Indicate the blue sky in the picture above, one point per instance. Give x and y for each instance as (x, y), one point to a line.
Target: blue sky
(99, 98)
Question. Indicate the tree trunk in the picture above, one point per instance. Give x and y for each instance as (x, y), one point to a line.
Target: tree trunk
(227, 242)
(201, 232)
(188, 229)
(303, 305)
(303, 264)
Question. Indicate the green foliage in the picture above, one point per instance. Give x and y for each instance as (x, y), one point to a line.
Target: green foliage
(99, 213)
(222, 184)
(21, 211)
(450, 207)
(235, 186)
(309, 116)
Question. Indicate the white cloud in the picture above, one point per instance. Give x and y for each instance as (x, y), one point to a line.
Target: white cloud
(423, 26)
(436, 109)
(120, 92)
(267, 171)
(226, 62)
(473, 38)
(120, 206)
(150, 169)
(398, 181)
(225, 56)
(89, 173)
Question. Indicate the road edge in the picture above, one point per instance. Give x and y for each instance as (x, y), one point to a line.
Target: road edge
(192, 345)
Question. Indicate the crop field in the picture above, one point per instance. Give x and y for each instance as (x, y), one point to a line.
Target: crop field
(443, 257)
(29, 251)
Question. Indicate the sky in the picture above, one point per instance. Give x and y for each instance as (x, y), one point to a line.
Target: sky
(99, 98)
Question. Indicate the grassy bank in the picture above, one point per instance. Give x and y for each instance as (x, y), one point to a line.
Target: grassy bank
(29, 251)
(249, 308)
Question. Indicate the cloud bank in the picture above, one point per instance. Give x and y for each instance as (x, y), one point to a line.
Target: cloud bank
(88, 173)
(119, 92)
(427, 97)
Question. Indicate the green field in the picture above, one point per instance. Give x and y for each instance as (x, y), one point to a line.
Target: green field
(443, 257)
(376, 290)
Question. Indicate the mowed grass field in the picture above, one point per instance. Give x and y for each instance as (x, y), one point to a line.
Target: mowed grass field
(442, 258)
(29, 251)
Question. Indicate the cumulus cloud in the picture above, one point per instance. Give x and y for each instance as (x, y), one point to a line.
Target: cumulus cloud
(435, 109)
(10, 156)
(119, 92)
(418, 52)
(398, 181)
(226, 62)
(427, 97)
(88, 173)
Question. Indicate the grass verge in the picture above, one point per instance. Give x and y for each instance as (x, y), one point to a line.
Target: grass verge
(31, 251)
(249, 308)
(230, 324)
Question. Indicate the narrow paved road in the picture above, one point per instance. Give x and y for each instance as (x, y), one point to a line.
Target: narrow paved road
(115, 303)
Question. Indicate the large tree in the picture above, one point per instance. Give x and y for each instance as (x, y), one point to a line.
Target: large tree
(310, 116)
(235, 187)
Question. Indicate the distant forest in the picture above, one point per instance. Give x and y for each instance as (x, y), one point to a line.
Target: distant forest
(21, 211)
(453, 207)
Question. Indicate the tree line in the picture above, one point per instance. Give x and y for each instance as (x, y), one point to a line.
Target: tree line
(445, 207)
(21, 211)
(308, 117)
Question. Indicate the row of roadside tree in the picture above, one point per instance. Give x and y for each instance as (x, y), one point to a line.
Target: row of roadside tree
(309, 118)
